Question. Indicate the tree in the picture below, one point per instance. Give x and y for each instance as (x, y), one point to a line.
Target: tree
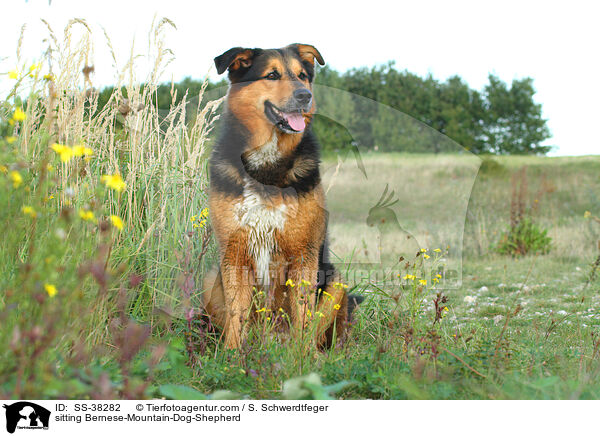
(513, 122)
(498, 120)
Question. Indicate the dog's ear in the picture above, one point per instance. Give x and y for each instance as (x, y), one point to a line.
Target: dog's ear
(234, 59)
(308, 53)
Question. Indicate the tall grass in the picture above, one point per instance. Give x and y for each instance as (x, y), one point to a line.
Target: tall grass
(63, 261)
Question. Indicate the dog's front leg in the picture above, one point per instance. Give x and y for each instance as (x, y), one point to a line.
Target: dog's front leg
(302, 278)
(237, 290)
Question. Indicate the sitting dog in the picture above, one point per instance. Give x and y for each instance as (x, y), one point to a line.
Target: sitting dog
(266, 200)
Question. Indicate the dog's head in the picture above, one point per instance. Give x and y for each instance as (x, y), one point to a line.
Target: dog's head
(271, 87)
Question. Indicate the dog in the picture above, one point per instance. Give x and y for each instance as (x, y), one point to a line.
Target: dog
(267, 203)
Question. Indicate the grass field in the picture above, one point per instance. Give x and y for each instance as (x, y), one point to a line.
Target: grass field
(106, 240)
(539, 352)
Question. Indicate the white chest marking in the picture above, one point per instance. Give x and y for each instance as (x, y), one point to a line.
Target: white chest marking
(261, 220)
(266, 154)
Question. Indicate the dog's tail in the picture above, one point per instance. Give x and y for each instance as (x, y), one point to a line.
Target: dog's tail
(353, 301)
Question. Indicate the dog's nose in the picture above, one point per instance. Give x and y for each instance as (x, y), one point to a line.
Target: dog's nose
(302, 95)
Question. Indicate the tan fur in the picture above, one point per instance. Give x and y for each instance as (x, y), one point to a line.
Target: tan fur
(296, 259)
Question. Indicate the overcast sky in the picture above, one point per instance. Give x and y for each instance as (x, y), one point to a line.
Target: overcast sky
(556, 45)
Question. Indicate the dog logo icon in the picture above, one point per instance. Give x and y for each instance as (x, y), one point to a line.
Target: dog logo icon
(26, 415)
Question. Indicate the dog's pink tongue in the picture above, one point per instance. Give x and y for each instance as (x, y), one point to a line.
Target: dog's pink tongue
(296, 121)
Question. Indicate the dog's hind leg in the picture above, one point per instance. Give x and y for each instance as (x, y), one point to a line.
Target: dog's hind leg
(332, 309)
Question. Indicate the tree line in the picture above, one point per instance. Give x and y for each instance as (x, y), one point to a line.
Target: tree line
(386, 109)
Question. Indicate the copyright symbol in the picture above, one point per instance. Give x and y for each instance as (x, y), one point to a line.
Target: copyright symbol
(139, 407)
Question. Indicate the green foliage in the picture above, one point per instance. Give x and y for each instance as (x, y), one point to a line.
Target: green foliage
(512, 121)
(491, 167)
(179, 392)
(524, 238)
(310, 387)
(500, 120)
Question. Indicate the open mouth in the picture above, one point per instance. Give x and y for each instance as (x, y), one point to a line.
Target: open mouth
(289, 122)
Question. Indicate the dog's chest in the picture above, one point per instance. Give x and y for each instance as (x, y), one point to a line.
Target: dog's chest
(267, 154)
(260, 219)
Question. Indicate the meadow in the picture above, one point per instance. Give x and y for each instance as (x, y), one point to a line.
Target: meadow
(107, 238)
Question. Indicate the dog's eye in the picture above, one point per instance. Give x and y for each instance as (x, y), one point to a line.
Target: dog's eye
(302, 76)
(273, 75)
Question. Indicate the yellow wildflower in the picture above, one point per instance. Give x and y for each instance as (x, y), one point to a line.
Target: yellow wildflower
(204, 213)
(328, 295)
(50, 289)
(64, 151)
(19, 115)
(16, 178)
(13, 74)
(114, 181)
(426, 256)
(409, 277)
(439, 276)
(423, 250)
(30, 211)
(338, 285)
(320, 314)
(264, 309)
(35, 67)
(86, 215)
(337, 306)
(422, 282)
(200, 224)
(116, 221)
(48, 77)
(3, 169)
(11, 139)
(304, 283)
(308, 313)
(82, 150)
(437, 250)
(66, 154)
(49, 168)
(193, 218)
(290, 283)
